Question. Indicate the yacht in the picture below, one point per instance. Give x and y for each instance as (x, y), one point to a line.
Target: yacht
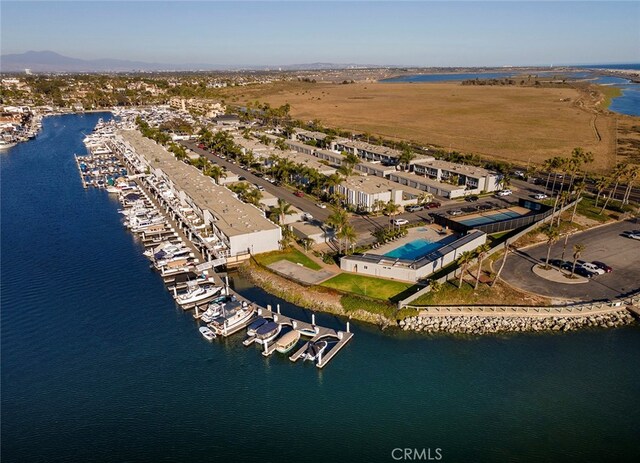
(197, 293)
(287, 341)
(206, 332)
(251, 329)
(267, 332)
(234, 316)
(315, 350)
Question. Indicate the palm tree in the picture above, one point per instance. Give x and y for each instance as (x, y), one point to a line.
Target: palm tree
(463, 262)
(601, 184)
(552, 235)
(631, 176)
(215, 172)
(349, 163)
(377, 206)
(338, 219)
(391, 209)
(434, 286)
(406, 157)
(481, 252)
(578, 189)
(282, 210)
(618, 171)
(507, 248)
(307, 243)
(578, 248)
(564, 197)
(348, 234)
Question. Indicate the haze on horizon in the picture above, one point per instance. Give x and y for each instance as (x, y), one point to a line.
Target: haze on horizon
(284, 33)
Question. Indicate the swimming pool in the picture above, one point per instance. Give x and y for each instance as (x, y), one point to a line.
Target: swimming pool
(415, 249)
(490, 217)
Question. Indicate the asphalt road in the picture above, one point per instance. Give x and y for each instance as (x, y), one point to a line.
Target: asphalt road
(603, 244)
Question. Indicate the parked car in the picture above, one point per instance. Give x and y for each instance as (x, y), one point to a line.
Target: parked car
(592, 268)
(484, 207)
(306, 216)
(299, 194)
(603, 266)
(241, 178)
(504, 192)
(472, 198)
(259, 187)
(584, 272)
(400, 221)
(321, 205)
(631, 234)
(540, 196)
(432, 205)
(201, 146)
(415, 208)
(455, 212)
(259, 174)
(519, 173)
(556, 262)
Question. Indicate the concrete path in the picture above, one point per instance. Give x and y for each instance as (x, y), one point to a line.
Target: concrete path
(300, 273)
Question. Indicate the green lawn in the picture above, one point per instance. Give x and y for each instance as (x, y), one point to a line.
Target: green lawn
(376, 288)
(291, 254)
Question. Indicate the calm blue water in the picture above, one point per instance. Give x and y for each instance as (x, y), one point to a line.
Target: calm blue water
(99, 365)
(414, 249)
(627, 103)
(490, 217)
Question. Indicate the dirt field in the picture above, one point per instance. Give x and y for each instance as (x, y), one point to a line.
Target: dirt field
(510, 123)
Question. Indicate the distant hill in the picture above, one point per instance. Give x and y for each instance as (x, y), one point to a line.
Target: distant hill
(50, 61)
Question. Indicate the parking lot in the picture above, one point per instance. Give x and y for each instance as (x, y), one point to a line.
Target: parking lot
(603, 244)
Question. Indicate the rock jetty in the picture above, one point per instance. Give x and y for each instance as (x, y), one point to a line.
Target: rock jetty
(484, 325)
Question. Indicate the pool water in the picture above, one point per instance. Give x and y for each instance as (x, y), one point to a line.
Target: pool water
(415, 249)
(490, 217)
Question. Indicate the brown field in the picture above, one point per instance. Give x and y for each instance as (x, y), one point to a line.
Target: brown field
(517, 124)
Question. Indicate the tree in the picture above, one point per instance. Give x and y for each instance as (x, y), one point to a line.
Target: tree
(631, 176)
(601, 184)
(552, 235)
(578, 249)
(377, 206)
(215, 171)
(578, 189)
(349, 163)
(434, 286)
(507, 248)
(348, 234)
(618, 171)
(338, 219)
(391, 209)
(307, 243)
(481, 252)
(463, 262)
(406, 156)
(282, 210)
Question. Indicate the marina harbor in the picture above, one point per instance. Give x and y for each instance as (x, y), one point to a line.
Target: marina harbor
(188, 251)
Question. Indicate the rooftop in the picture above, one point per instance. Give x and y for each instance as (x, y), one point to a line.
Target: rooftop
(427, 181)
(371, 185)
(233, 217)
(472, 171)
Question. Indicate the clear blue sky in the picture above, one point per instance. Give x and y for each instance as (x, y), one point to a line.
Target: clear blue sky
(270, 33)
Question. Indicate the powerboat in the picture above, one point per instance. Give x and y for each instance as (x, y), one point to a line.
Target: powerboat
(206, 332)
(315, 350)
(309, 332)
(197, 293)
(267, 332)
(234, 316)
(257, 323)
(287, 341)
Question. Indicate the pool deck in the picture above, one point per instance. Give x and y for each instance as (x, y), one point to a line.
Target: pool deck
(426, 232)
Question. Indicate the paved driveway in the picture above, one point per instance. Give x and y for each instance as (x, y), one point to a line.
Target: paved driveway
(604, 244)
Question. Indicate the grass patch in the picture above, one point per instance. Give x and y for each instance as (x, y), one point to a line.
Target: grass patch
(376, 288)
(609, 92)
(587, 208)
(290, 254)
(352, 303)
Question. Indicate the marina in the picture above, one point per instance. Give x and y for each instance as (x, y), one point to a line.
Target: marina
(186, 256)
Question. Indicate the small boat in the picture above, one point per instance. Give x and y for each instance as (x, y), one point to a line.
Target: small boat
(267, 332)
(309, 332)
(287, 341)
(234, 316)
(251, 329)
(206, 332)
(315, 350)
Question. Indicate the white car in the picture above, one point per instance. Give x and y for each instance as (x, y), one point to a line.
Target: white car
(593, 268)
(540, 196)
(631, 234)
(455, 212)
(400, 221)
(306, 216)
(321, 205)
(519, 173)
(504, 192)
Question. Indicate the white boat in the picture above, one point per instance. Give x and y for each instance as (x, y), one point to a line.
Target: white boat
(198, 293)
(257, 323)
(267, 332)
(315, 350)
(287, 341)
(309, 332)
(234, 316)
(206, 332)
